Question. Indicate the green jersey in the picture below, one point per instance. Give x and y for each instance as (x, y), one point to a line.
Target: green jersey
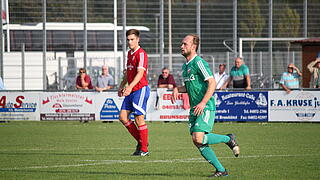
(195, 73)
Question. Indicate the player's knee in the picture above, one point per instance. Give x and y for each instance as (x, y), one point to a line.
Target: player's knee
(123, 119)
(197, 142)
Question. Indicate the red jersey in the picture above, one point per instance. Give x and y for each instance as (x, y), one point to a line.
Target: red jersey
(137, 59)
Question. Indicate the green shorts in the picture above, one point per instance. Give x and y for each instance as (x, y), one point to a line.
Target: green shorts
(202, 123)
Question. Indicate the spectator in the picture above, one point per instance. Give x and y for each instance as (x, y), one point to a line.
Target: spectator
(239, 75)
(105, 80)
(1, 84)
(166, 79)
(290, 79)
(221, 76)
(83, 80)
(314, 68)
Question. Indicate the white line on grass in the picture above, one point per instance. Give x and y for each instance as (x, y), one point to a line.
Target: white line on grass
(190, 160)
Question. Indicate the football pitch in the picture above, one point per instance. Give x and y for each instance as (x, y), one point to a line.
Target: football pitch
(96, 150)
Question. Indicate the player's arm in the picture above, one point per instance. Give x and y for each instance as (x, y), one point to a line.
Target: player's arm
(135, 81)
(211, 88)
(122, 84)
(176, 91)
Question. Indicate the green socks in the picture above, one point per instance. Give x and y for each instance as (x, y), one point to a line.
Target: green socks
(211, 157)
(208, 153)
(215, 139)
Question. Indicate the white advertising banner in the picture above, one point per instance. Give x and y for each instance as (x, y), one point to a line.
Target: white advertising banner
(19, 106)
(160, 108)
(108, 106)
(298, 106)
(67, 106)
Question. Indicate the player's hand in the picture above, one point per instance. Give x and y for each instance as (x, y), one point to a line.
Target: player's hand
(198, 109)
(120, 92)
(127, 90)
(174, 95)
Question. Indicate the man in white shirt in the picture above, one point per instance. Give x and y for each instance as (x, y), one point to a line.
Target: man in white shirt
(221, 76)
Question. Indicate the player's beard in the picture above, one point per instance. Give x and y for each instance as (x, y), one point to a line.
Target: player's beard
(186, 53)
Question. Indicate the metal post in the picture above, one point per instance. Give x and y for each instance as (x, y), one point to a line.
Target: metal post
(85, 34)
(305, 18)
(60, 73)
(240, 47)
(115, 35)
(124, 38)
(199, 23)
(293, 58)
(170, 35)
(8, 25)
(270, 36)
(161, 33)
(23, 66)
(1, 45)
(228, 61)
(235, 9)
(44, 43)
(261, 74)
(157, 32)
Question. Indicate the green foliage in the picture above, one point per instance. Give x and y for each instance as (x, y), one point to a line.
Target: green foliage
(72, 150)
(251, 20)
(289, 22)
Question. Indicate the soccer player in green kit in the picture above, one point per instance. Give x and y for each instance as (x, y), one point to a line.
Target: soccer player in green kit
(200, 86)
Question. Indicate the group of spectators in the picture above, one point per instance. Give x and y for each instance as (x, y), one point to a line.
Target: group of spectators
(239, 76)
(104, 82)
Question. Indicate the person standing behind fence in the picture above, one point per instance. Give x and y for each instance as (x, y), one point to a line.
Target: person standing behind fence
(83, 80)
(105, 80)
(221, 77)
(290, 79)
(239, 75)
(136, 93)
(314, 68)
(200, 86)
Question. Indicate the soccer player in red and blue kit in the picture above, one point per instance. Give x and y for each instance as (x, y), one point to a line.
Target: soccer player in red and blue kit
(136, 93)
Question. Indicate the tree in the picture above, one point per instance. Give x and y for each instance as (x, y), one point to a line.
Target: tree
(251, 22)
(289, 24)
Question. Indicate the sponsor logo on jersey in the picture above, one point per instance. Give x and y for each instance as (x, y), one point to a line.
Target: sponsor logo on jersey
(191, 78)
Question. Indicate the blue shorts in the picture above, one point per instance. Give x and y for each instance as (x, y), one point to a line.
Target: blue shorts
(136, 102)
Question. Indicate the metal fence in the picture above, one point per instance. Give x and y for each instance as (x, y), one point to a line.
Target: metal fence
(219, 22)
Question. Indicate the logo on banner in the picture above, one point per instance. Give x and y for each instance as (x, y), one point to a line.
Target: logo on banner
(19, 105)
(109, 110)
(261, 100)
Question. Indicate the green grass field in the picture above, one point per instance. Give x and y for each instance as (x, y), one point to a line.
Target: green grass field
(96, 150)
